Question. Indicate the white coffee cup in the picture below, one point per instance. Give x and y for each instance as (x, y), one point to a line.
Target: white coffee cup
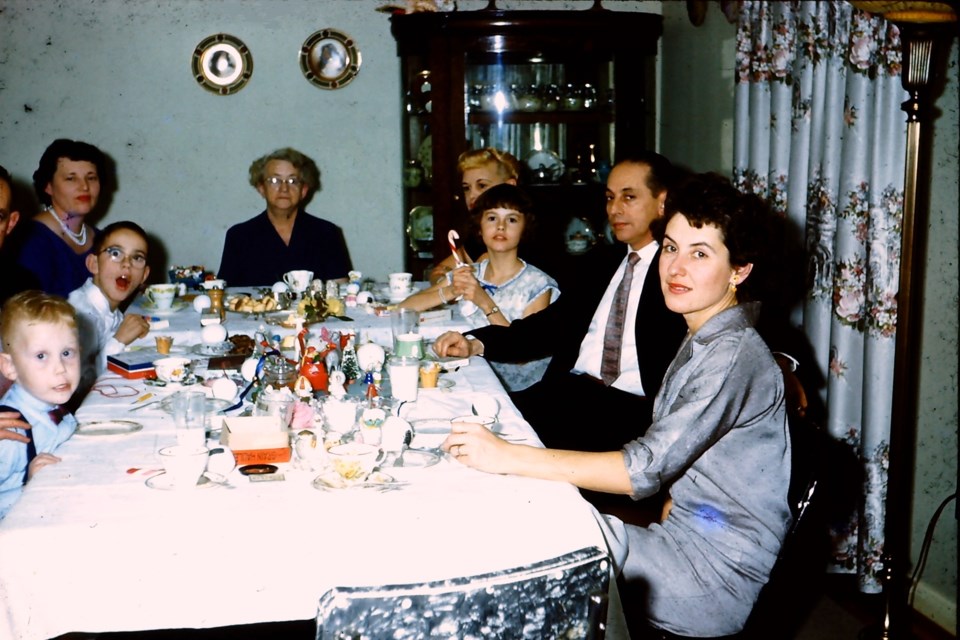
(161, 295)
(172, 369)
(184, 464)
(298, 280)
(400, 282)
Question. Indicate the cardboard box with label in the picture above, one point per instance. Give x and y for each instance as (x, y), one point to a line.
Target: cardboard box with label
(256, 439)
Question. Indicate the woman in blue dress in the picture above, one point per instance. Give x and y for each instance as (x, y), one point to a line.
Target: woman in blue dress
(59, 238)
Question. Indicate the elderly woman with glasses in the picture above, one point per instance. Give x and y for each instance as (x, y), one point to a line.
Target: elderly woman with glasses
(284, 237)
(58, 239)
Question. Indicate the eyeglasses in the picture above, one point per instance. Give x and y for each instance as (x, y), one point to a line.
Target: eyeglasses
(137, 260)
(275, 182)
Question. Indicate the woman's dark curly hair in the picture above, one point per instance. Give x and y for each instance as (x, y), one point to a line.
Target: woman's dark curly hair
(744, 221)
(504, 196)
(72, 150)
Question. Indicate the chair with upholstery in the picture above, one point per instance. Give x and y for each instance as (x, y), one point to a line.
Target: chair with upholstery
(565, 597)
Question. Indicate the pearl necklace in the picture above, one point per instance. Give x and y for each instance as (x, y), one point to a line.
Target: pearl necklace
(78, 239)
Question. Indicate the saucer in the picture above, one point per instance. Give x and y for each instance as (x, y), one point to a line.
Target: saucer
(162, 482)
(213, 349)
(176, 307)
(376, 481)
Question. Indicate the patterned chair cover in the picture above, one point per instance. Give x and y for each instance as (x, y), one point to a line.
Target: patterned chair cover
(565, 597)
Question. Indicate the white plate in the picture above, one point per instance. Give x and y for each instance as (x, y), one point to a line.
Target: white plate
(211, 406)
(215, 349)
(162, 482)
(376, 481)
(108, 428)
(417, 458)
(176, 307)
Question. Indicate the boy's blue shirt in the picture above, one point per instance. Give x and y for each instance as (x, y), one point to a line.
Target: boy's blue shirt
(46, 436)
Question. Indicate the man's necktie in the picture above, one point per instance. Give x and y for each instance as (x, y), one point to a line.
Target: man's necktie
(613, 336)
(56, 414)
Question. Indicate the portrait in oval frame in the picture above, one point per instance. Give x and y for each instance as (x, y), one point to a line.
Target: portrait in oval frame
(330, 59)
(222, 63)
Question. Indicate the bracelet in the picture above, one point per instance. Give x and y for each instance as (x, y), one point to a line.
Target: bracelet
(443, 298)
(495, 309)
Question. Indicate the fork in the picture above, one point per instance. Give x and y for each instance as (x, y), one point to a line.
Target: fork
(407, 439)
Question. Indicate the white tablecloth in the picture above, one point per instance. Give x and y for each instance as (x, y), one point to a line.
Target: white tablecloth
(90, 548)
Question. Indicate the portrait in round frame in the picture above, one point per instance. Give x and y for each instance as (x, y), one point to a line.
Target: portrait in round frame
(222, 64)
(330, 59)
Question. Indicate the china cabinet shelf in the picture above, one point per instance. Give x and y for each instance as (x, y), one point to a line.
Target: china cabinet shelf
(481, 78)
(541, 117)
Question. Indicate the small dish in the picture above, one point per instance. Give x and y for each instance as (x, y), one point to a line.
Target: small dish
(257, 469)
(376, 481)
(163, 482)
(108, 428)
(214, 349)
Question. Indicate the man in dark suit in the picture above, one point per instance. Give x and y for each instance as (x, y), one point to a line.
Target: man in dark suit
(572, 407)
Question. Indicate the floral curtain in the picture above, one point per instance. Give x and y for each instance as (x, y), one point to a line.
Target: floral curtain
(820, 134)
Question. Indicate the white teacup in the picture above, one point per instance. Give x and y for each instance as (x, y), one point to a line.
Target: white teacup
(172, 369)
(354, 460)
(400, 283)
(161, 295)
(298, 280)
(184, 464)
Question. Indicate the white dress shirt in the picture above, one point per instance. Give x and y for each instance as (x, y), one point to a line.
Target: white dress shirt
(97, 324)
(591, 349)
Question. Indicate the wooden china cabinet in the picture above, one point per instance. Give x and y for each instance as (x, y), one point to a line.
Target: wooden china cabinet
(566, 92)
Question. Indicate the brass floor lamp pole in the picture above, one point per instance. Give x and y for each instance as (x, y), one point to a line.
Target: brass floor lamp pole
(924, 35)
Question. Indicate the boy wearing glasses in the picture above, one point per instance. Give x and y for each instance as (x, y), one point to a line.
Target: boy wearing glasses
(118, 263)
(41, 355)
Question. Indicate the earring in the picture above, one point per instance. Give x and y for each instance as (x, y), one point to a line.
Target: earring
(733, 285)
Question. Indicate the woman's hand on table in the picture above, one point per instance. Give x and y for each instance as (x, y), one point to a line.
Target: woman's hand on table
(476, 446)
(10, 420)
(453, 344)
(132, 327)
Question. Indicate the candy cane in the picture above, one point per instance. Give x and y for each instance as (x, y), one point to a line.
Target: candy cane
(452, 237)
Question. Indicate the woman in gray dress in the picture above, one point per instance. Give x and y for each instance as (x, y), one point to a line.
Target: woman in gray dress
(718, 443)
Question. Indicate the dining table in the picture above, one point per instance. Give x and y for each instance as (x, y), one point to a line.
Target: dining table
(94, 546)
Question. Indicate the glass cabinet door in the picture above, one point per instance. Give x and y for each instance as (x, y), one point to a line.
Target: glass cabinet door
(565, 92)
(557, 119)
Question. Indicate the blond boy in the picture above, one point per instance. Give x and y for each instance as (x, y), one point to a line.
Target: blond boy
(41, 354)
